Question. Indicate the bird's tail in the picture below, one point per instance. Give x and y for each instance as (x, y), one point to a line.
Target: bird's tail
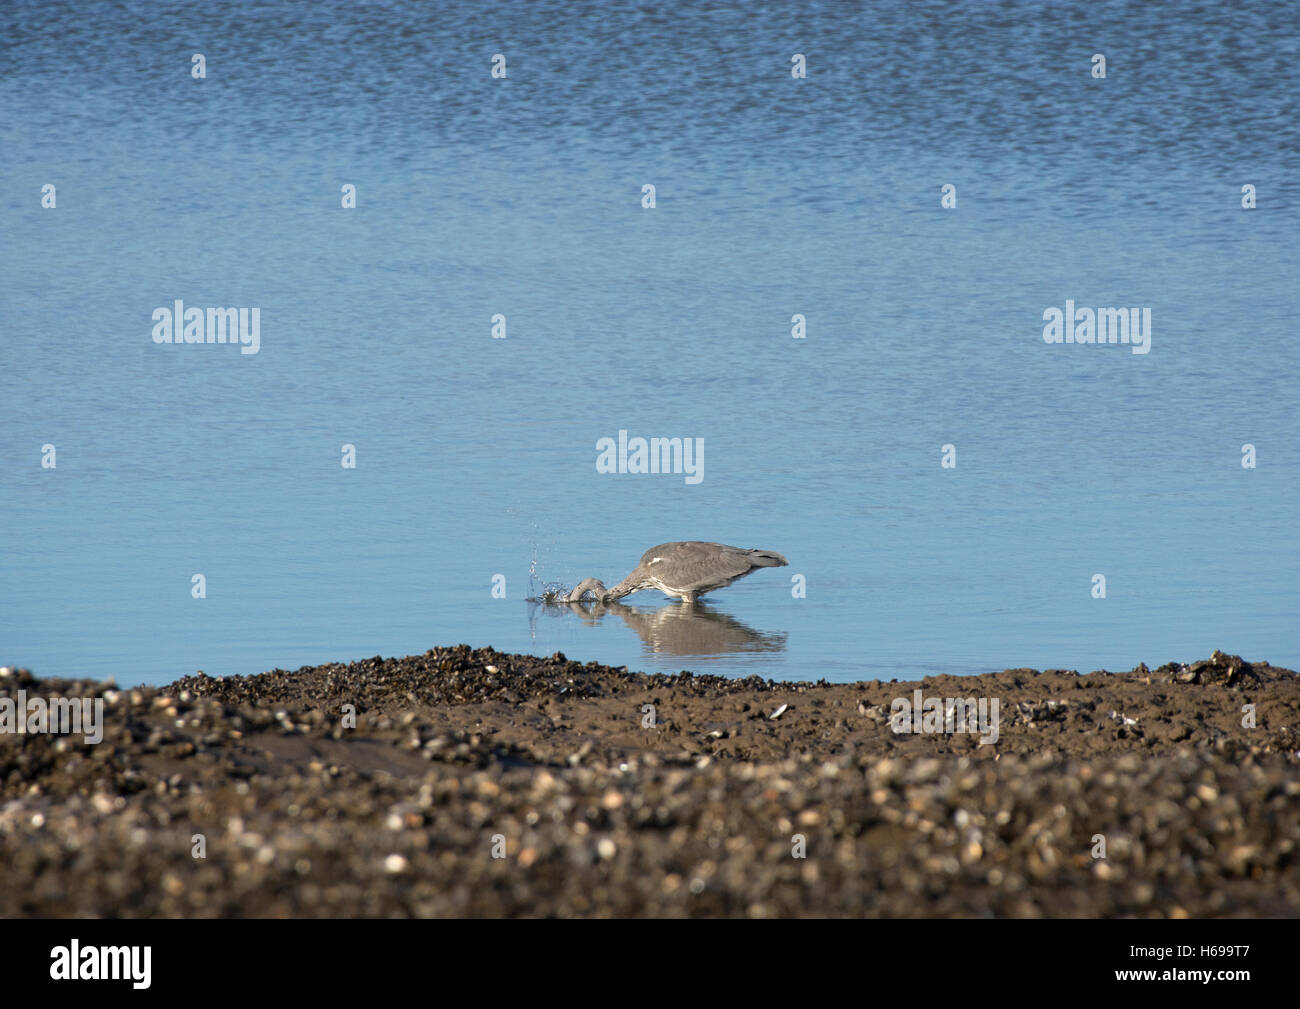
(767, 559)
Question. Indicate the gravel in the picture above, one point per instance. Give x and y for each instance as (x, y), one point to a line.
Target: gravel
(472, 782)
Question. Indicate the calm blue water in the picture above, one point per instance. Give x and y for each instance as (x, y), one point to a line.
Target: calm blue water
(522, 196)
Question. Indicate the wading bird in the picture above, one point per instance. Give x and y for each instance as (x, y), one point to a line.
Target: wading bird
(687, 569)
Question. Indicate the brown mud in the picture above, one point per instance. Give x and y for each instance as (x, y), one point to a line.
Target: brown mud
(459, 755)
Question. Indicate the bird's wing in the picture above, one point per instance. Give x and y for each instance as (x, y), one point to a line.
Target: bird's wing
(699, 566)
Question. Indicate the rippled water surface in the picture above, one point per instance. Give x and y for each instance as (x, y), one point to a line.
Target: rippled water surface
(476, 457)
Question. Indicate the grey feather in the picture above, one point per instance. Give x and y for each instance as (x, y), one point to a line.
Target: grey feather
(686, 569)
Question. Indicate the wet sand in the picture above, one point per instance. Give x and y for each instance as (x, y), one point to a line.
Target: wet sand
(460, 755)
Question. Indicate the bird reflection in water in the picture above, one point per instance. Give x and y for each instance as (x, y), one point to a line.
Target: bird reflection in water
(675, 629)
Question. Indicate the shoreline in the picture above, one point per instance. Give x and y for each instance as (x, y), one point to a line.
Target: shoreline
(460, 755)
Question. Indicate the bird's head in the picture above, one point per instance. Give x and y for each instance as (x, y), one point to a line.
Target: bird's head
(592, 585)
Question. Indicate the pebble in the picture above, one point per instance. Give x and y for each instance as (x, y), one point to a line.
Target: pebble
(646, 823)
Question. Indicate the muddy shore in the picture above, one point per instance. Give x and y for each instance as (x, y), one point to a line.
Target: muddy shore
(600, 806)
